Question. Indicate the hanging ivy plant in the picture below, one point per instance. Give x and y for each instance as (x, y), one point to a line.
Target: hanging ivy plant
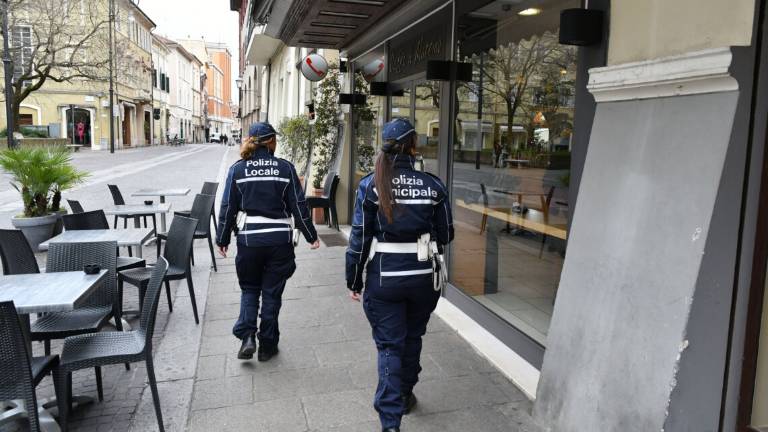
(326, 128)
(364, 128)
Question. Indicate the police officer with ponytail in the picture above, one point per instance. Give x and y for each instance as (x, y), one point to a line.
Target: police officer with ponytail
(266, 192)
(402, 220)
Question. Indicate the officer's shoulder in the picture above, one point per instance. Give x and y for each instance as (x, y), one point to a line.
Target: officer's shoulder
(285, 162)
(434, 177)
(366, 180)
(236, 163)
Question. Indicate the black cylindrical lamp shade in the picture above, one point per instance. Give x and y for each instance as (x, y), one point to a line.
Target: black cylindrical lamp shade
(581, 27)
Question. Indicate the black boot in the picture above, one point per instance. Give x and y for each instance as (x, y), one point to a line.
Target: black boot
(247, 348)
(266, 353)
(391, 430)
(409, 400)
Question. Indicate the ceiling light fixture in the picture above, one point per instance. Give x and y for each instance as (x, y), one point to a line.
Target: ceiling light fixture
(529, 12)
(361, 2)
(333, 25)
(345, 14)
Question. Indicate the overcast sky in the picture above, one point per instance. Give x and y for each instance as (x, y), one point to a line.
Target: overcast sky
(209, 19)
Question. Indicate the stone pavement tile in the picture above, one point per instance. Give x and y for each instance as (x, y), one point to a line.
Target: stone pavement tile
(286, 360)
(364, 374)
(174, 404)
(520, 413)
(294, 338)
(513, 393)
(461, 361)
(284, 415)
(213, 328)
(485, 419)
(227, 298)
(212, 345)
(338, 409)
(344, 353)
(303, 382)
(222, 311)
(458, 393)
(358, 332)
(436, 324)
(441, 341)
(211, 367)
(369, 426)
(222, 392)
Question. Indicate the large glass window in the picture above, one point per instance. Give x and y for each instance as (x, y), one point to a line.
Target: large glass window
(427, 123)
(369, 118)
(511, 159)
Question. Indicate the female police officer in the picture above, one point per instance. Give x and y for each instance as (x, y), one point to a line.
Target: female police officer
(267, 190)
(402, 217)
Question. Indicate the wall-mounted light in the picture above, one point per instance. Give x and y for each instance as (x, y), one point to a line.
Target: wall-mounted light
(529, 12)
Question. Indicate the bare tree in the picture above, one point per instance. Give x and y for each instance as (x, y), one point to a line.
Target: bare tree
(508, 71)
(62, 41)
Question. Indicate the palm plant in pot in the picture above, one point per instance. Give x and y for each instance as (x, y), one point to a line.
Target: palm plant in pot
(40, 175)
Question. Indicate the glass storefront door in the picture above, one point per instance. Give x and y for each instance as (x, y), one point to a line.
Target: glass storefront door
(426, 120)
(511, 159)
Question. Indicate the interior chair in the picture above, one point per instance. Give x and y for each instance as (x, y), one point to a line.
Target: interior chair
(327, 201)
(20, 373)
(178, 248)
(97, 220)
(108, 348)
(117, 198)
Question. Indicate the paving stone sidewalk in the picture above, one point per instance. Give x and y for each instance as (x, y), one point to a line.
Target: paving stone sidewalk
(325, 375)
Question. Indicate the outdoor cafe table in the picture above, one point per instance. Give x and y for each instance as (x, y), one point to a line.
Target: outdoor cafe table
(136, 209)
(125, 238)
(39, 293)
(162, 193)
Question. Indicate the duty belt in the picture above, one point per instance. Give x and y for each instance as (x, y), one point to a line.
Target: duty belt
(424, 248)
(295, 233)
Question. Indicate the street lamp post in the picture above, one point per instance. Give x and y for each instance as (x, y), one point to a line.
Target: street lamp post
(111, 80)
(8, 70)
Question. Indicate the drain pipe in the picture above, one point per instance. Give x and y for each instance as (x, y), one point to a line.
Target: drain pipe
(269, 87)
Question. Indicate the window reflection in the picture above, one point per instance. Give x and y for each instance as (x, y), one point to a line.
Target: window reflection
(511, 160)
(427, 123)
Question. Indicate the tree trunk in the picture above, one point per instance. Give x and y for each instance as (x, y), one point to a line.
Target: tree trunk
(15, 115)
(510, 123)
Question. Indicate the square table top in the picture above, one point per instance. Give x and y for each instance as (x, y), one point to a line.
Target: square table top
(136, 209)
(123, 237)
(162, 192)
(49, 292)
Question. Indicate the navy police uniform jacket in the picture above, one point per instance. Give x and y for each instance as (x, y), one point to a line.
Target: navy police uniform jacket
(268, 191)
(421, 206)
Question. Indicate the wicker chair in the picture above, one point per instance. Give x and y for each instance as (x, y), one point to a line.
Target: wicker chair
(99, 307)
(327, 202)
(117, 198)
(20, 373)
(209, 188)
(16, 254)
(95, 220)
(108, 348)
(201, 208)
(178, 249)
(75, 206)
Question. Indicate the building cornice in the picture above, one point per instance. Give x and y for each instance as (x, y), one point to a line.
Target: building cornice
(691, 73)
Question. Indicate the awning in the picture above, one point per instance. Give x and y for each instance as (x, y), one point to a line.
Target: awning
(261, 48)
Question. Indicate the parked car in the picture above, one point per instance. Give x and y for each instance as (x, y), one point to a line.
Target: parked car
(215, 138)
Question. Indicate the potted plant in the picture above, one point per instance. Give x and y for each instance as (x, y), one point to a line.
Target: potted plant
(295, 140)
(326, 130)
(40, 175)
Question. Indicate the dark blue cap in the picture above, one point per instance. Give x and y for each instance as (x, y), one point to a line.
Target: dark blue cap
(397, 129)
(261, 130)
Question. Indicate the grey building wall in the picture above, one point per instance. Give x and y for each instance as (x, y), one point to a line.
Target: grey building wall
(639, 235)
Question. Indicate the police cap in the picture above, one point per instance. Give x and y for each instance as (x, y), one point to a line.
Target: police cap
(396, 130)
(261, 131)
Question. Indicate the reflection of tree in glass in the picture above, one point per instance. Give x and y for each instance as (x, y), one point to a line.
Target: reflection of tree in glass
(364, 130)
(510, 72)
(429, 91)
(326, 130)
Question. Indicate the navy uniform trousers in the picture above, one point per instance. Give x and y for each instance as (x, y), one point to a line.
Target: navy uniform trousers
(262, 272)
(398, 313)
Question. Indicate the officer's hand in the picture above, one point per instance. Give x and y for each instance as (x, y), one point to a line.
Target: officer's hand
(223, 251)
(315, 245)
(354, 295)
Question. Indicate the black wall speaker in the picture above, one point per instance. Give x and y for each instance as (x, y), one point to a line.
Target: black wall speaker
(581, 27)
(443, 70)
(378, 89)
(352, 99)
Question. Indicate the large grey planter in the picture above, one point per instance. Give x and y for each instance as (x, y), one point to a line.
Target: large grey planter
(35, 229)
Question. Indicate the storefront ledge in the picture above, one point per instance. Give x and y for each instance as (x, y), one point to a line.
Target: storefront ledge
(697, 72)
(514, 367)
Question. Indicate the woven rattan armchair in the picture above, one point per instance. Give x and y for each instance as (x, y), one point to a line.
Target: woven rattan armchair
(209, 188)
(98, 308)
(178, 249)
(201, 208)
(107, 348)
(20, 374)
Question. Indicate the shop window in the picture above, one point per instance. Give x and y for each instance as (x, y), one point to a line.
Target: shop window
(368, 119)
(511, 160)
